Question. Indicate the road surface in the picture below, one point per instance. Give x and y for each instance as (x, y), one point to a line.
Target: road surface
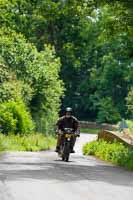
(43, 176)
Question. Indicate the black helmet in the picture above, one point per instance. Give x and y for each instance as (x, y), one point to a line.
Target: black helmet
(68, 109)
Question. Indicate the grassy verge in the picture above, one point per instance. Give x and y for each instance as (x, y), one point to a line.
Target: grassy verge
(34, 142)
(1, 146)
(89, 130)
(115, 152)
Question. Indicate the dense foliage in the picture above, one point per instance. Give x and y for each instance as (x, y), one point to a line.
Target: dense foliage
(29, 77)
(91, 40)
(115, 152)
(130, 102)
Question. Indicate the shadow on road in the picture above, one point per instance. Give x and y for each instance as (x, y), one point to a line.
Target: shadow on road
(66, 173)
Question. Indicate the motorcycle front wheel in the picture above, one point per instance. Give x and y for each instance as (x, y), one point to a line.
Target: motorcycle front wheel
(67, 158)
(67, 152)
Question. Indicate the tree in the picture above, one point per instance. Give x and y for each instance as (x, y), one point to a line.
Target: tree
(129, 100)
(93, 40)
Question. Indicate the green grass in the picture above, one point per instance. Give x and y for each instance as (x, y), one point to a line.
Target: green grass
(115, 152)
(33, 142)
(1, 146)
(89, 130)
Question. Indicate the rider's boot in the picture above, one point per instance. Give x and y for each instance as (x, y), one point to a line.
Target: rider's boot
(57, 149)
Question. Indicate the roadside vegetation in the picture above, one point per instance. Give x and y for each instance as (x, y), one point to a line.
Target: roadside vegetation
(1, 146)
(32, 142)
(114, 152)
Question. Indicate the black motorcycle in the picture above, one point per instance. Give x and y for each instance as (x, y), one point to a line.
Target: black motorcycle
(65, 148)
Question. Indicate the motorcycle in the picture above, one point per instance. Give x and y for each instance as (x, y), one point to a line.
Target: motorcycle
(65, 148)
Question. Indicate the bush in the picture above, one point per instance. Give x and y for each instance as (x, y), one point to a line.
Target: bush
(14, 118)
(31, 74)
(115, 152)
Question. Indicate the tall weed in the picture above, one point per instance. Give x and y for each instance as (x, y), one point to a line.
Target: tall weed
(115, 152)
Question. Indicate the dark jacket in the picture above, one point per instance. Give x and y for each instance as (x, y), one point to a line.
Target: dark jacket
(65, 122)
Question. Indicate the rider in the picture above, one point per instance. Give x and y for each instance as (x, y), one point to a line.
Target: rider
(67, 121)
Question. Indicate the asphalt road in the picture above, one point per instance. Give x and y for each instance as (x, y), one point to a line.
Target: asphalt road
(43, 176)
